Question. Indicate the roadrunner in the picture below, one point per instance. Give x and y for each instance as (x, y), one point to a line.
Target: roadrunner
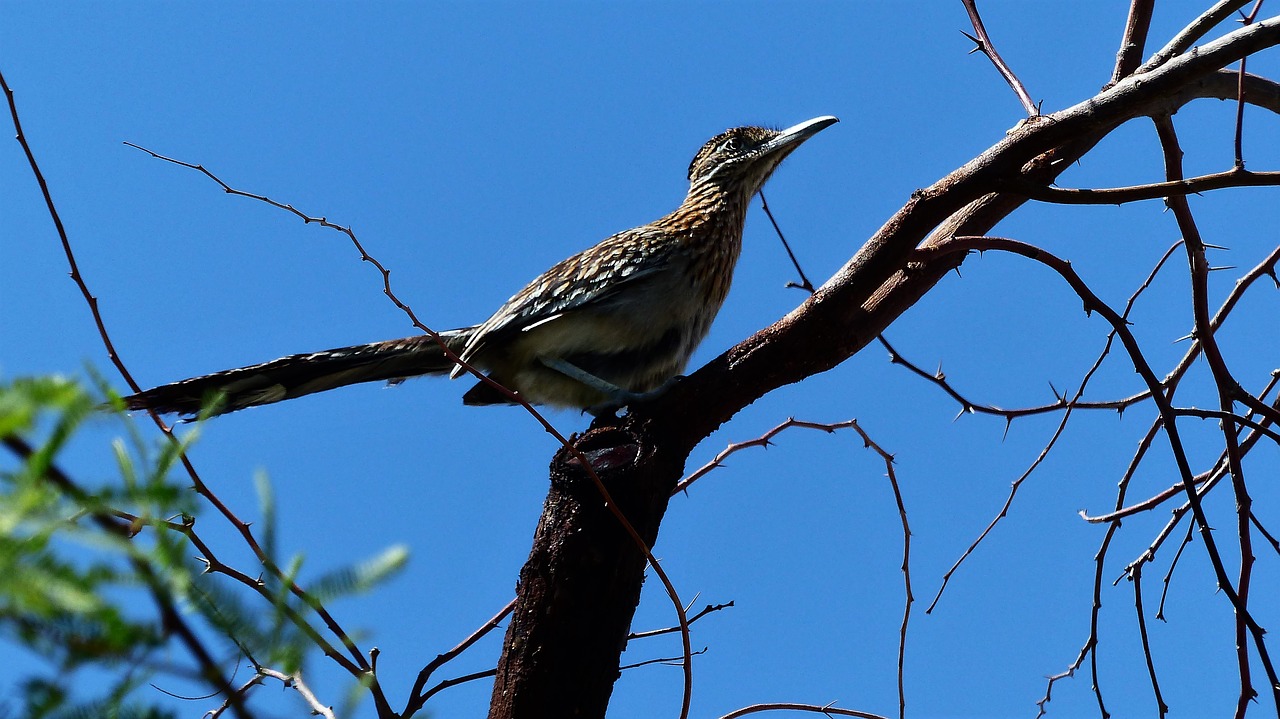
(598, 331)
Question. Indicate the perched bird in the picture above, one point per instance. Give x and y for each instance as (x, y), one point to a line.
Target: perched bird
(600, 330)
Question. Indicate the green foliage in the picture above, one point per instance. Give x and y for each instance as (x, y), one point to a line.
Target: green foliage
(87, 572)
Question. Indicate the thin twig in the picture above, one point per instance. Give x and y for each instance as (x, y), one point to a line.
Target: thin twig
(1235, 177)
(909, 598)
(1239, 136)
(673, 661)
(669, 630)
(1168, 576)
(804, 284)
(416, 696)
(763, 441)
(456, 681)
(827, 709)
(984, 44)
(1067, 673)
(1162, 709)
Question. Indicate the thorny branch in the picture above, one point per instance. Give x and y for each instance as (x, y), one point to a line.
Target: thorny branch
(765, 440)
(828, 710)
(1167, 414)
(1069, 406)
(983, 44)
(1228, 393)
(1061, 403)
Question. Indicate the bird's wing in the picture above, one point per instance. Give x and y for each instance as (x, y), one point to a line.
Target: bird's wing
(587, 278)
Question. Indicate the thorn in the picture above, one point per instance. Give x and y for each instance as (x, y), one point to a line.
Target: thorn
(1184, 338)
(1222, 267)
(1008, 422)
(1059, 397)
(1208, 246)
(958, 415)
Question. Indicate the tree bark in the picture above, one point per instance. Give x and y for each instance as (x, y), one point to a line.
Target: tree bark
(580, 586)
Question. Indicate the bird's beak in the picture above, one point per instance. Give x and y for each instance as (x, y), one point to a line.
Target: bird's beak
(790, 138)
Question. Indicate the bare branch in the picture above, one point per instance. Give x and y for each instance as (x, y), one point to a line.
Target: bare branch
(804, 284)
(416, 696)
(668, 630)
(984, 44)
(1235, 177)
(1189, 35)
(909, 598)
(674, 661)
(763, 441)
(1173, 565)
(1162, 709)
(828, 709)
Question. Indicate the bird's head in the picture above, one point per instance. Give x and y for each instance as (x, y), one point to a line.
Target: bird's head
(744, 157)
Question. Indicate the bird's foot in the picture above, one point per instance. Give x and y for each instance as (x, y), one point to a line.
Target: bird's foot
(625, 398)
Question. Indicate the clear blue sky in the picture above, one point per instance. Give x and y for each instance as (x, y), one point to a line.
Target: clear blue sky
(472, 145)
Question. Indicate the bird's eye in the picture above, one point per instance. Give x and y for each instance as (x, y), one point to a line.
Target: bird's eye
(733, 144)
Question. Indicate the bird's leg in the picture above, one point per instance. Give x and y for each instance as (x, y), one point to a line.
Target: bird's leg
(574, 372)
(617, 397)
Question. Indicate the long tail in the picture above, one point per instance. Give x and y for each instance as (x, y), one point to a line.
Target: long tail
(298, 375)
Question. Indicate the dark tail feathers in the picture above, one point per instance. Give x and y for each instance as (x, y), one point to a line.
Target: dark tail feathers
(298, 375)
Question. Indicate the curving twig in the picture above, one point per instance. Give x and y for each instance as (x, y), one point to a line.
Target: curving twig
(828, 710)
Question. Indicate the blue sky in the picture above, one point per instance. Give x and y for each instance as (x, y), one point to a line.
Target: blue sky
(472, 145)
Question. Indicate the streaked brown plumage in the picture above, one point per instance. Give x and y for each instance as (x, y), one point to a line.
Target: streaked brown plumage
(596, 331)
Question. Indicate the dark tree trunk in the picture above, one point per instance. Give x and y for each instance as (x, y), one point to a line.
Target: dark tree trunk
(580, 587)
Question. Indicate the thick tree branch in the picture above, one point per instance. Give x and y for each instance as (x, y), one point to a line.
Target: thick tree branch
(838, 321)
